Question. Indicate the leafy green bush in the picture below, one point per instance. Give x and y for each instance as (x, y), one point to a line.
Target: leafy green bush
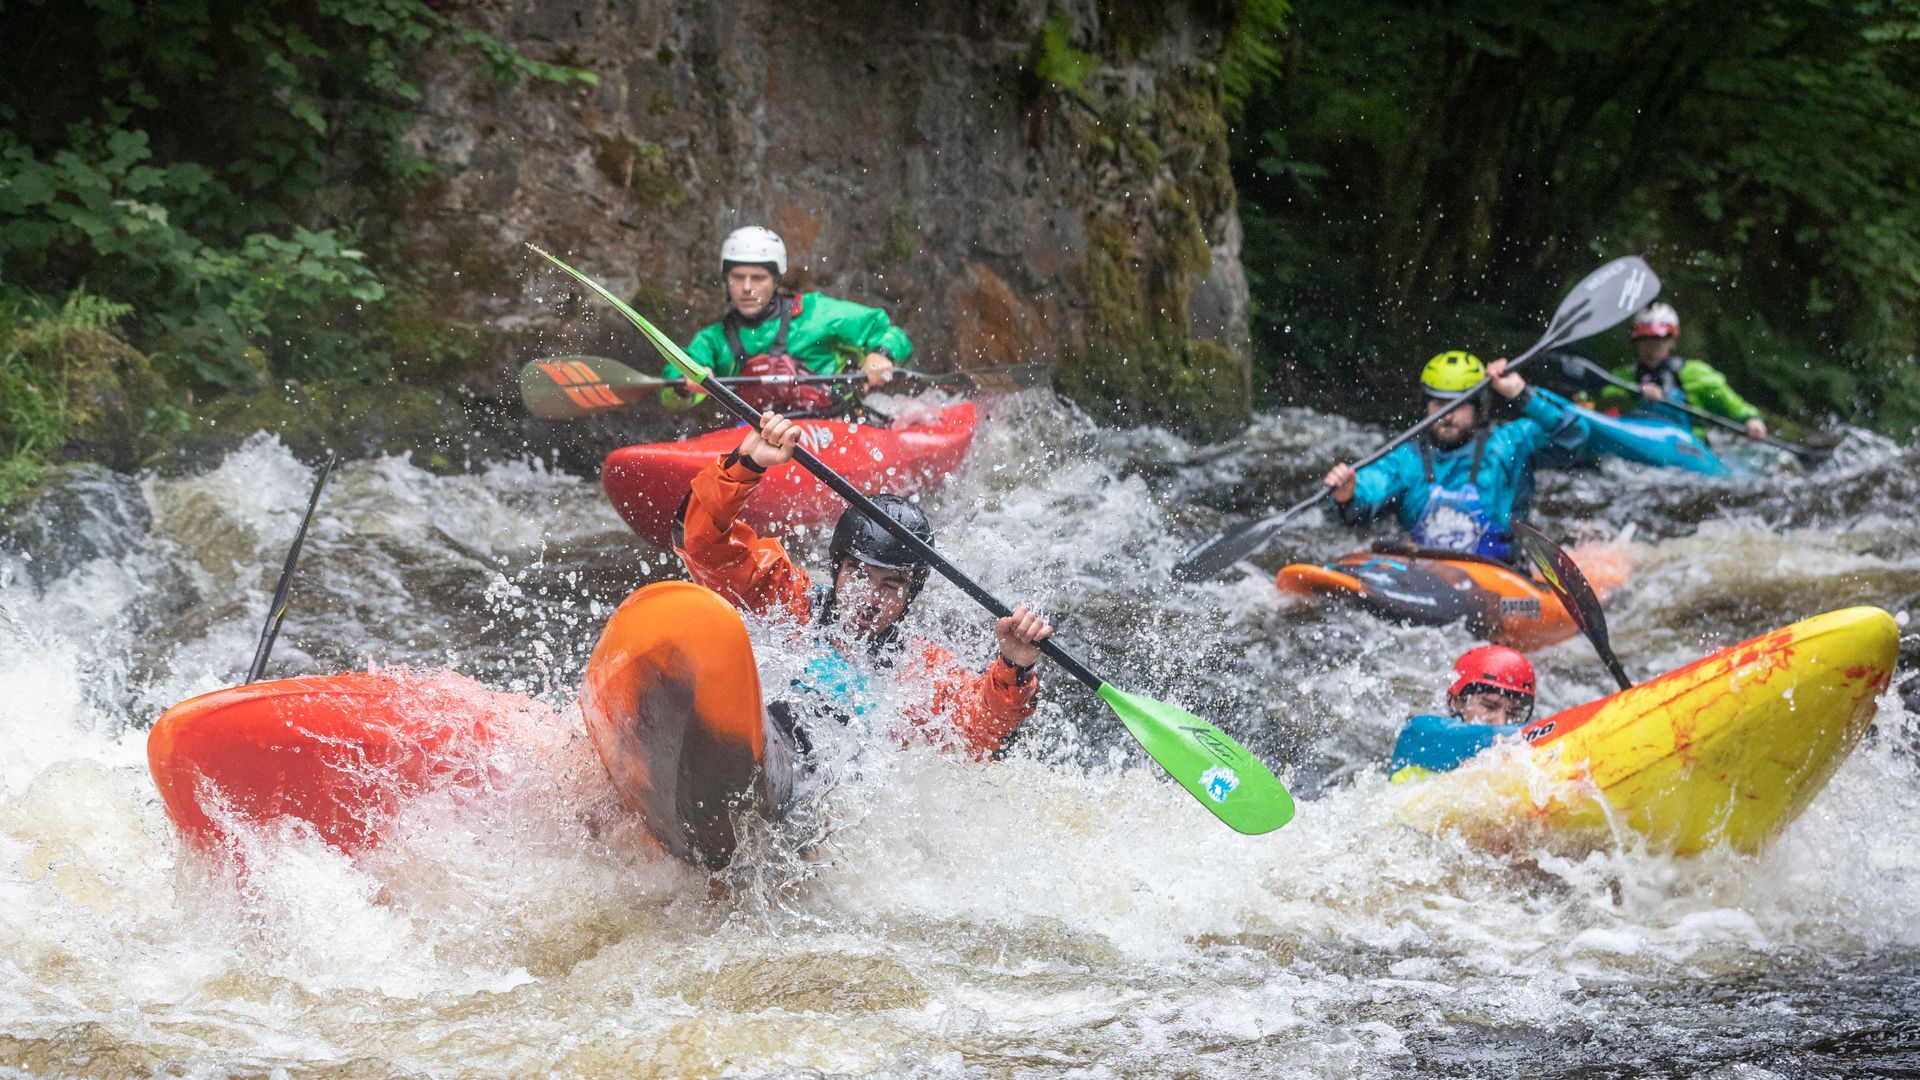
(222, 166)
(34, 381)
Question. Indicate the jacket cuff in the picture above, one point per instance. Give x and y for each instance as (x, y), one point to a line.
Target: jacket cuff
(1021, 675)
(740, 468)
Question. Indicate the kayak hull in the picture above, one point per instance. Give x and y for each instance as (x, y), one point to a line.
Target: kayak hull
(672, 704)
(1493, 600)
(339, 752)
(1725, 751)
(1649, 441)
(647, 483)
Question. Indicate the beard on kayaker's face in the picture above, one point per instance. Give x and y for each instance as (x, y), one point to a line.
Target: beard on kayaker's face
(1653, 351)
(750, 289)
(870, 599)
(1484, 706)
(1454, 426)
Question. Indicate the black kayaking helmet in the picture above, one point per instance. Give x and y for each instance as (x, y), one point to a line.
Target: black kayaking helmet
(857, 537)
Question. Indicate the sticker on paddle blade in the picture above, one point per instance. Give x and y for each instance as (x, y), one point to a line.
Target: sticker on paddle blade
(1219, 782)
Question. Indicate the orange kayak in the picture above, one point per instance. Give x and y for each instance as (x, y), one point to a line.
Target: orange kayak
(340, 752)
(1431, 588)
(672, 702)
(646, 483)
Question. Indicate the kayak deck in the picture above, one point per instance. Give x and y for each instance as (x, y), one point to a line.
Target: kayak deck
(1428, 588)
(1727, 750)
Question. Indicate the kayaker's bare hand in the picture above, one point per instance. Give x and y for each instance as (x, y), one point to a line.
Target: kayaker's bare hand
(1652, 392)
(1507, 386)
(691, 387)
(1341, 479)
(878, 367)
(774, 443)
(1756, 428)
(1020, 635)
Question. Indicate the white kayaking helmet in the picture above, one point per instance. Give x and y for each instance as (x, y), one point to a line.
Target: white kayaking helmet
(756, 245)
(1655, 320)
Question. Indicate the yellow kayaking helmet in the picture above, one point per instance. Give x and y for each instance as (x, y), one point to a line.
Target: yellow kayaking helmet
(1451, 374)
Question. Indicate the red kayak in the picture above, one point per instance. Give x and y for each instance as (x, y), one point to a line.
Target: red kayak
(340, 752)
(647, 483)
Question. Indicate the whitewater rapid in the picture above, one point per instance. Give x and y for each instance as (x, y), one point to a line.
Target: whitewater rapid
(1065, 911)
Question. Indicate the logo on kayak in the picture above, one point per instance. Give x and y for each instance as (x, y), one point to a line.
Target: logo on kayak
(816, 437)
(1533, 735)
(1523, 607)
(1219, 782)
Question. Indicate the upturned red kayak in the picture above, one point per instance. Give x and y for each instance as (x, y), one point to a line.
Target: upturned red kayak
(647, 482)
(672, 703)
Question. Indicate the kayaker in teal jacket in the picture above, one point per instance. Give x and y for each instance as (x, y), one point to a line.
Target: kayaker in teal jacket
(769, 331)
(1665, 377)
(1461, 485)
(1491, 698)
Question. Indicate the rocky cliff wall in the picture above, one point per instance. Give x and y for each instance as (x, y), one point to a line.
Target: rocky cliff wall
(1012, 180)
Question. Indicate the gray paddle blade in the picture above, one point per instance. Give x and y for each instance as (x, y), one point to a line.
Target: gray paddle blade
(1569, 583)
(1223, 549)
(569, 387)
(1603, 299)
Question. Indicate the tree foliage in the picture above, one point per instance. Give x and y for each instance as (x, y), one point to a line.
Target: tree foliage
(1433, 175)
(213, 164)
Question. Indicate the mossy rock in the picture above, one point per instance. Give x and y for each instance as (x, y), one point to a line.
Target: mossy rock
(102, 391)
(318, 418)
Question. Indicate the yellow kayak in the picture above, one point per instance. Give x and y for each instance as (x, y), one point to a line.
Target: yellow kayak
(1727, 750)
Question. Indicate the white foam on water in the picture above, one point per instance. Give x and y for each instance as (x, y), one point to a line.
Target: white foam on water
(1065, 909)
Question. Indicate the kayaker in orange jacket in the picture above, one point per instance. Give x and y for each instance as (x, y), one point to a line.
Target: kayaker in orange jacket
(875, 579)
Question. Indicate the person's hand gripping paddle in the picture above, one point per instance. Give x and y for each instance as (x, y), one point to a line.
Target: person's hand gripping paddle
(1228, 780)
(1603, 299)
(1565, 578)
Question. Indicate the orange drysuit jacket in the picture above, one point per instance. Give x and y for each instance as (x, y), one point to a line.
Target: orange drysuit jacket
(756, 573)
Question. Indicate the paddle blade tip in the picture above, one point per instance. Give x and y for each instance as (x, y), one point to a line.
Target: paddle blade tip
(1222, 775)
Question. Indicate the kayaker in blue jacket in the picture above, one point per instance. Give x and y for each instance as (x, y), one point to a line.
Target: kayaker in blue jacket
(1491, 697)
(1462, 484)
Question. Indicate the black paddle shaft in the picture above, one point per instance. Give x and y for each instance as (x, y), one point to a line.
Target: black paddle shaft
(900, 532)
(1702, 414)
(279, 609)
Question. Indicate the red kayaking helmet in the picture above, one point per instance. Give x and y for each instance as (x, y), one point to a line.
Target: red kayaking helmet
(1494, 667)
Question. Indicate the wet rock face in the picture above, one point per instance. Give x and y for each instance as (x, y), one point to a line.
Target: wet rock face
(908, 154)
(85, 512)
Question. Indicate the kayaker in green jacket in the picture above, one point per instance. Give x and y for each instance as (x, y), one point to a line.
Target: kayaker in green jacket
(1461, 486)
(1664, 377)
(770, 331)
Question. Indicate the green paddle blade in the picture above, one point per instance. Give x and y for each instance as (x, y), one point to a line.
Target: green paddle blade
(694, 369)
(1222, 774)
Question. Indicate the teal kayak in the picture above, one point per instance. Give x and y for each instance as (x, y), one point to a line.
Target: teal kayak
(1648, 441)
